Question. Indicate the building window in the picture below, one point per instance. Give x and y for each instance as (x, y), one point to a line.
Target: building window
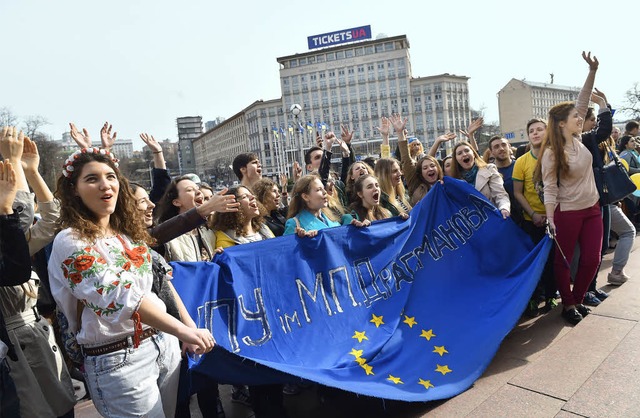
(331, 56)
(379, 48)
(340, 55)
(320, 58)
(349, 53)
(359, 52)
(293, 63)
(303, 61)
(368, 50)
(388, 46)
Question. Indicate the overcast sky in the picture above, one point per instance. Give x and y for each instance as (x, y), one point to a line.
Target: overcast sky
(142, 64)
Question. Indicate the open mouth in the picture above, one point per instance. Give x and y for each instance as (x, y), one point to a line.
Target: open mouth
(466, 160)
(106, 197)
(198, 201)
(376, 197)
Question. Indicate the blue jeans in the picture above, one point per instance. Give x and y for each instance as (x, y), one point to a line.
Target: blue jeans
(9, 402)
(139, 381)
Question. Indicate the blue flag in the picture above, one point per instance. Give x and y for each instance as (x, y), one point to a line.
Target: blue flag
(410, 310)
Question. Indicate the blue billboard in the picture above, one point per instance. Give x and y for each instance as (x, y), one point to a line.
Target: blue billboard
(339, 37)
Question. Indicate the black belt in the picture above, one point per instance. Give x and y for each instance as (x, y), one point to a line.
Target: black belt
(118, 345)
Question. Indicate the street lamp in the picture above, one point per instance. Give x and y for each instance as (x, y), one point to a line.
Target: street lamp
(296, 109)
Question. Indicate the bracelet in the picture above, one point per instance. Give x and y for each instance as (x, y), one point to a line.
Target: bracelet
(157, 152)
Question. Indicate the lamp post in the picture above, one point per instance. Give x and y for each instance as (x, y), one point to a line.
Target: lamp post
(296, 109)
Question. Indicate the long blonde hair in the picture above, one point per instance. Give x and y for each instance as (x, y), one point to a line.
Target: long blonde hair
(554, 141)
(383, 171)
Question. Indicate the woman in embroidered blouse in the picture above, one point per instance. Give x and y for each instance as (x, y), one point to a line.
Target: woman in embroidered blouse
(100, 272)
(467, 165)
(306, 215)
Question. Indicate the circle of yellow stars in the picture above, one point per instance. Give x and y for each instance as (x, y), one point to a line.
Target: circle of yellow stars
(410, 321)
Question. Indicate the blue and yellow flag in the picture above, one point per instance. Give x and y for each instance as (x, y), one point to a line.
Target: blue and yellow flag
(410, 310)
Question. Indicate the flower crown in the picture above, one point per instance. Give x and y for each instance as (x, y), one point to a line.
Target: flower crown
(67, 168)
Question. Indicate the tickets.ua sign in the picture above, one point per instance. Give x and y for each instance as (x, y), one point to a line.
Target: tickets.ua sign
(339, 37)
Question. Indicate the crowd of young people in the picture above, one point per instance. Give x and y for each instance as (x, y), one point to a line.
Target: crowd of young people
(110, 240)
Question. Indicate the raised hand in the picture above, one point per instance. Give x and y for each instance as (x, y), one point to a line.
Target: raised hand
(8, 187)
(346, 136)
(11, 144)
(284, 182)
(601, 94)
(219, 202)
(81, 138)
(297, 171)
(150, 141)
(385, 127)
(473, 127)
(596, 98)
(446, 137)
(398, 123)
(105, 136)
(329, 139)
(30, 156)
(593, 62)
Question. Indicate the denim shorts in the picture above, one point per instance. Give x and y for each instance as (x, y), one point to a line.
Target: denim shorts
(136, 382)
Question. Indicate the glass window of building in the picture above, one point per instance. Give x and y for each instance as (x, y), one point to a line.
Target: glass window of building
(293, 63)
(388, 46)
(320, 58)
(302, 61)
(359, 52)
(340, 55)
(379, 47)
(312, 59)
(331, 56)
(368, 50)
(349, 53)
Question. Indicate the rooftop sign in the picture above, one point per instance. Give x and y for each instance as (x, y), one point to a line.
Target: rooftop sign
(339, 37)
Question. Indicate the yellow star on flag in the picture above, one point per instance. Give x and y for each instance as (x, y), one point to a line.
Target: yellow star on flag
(426, 383)
(359, 336)
(355, 353)
(376, 320)
(368, 369)
(410, 320)
(443, 369)
(361, 360)
(395, 380)
(439, 349)
(427, 334)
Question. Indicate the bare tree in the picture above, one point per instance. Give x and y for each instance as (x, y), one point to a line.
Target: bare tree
(32, 125)
(7, 117)
(632, 102)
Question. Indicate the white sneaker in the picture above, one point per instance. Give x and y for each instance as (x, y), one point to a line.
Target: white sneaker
(617, 278)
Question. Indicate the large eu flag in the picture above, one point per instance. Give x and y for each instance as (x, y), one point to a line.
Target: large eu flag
(410, 310)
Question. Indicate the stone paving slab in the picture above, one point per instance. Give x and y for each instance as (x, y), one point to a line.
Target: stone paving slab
(565, 366)
(501, 369)
(513, 402)
(614, 388)
(623, 301)
(565, 414)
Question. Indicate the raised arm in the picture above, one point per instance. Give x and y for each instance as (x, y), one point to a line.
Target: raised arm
(384, 129)
(156, 150)
(439, 141)
(106, 138)
(585, 94)
(470, 133)
(15, 263)
(43, 232)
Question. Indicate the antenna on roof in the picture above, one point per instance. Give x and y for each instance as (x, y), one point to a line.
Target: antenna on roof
(551, 75)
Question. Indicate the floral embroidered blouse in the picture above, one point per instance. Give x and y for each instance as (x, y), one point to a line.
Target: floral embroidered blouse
(109, 277)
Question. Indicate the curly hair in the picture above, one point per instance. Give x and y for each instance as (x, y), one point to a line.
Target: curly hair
(223, 221)
(126, 219)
